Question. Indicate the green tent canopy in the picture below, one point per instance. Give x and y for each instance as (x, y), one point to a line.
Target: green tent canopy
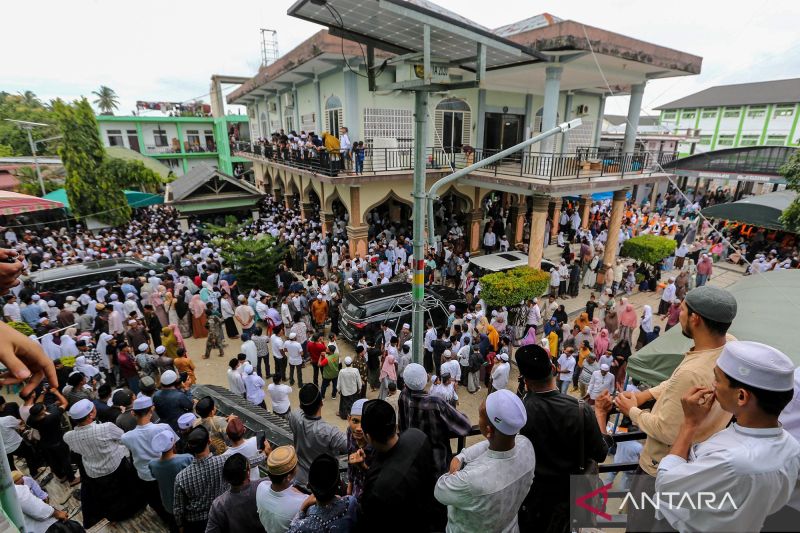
(769, 306)
(763, 210)
(135, 198)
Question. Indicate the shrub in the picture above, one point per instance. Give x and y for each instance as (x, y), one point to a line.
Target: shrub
(511, 287)
(22, 327)
(648, 248)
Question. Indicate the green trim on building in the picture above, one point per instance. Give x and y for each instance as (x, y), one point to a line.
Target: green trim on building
(225, 164)
(180, 137)
(140, 137)
(697, 113)
(738, 137)
(678, 113)
(187, 155)
(790, 140)
(716, 128)
(131, 118)
(763, 138)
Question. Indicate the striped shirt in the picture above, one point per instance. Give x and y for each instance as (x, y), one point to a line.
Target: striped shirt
(99, 446)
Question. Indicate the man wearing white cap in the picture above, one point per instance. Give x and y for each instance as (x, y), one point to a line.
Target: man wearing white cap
(349, 387)
(109, 474)
(253, 386)
(140, 442)
(500, 372)
(170, 401)
(602, 380)
(294, 357)
(487, 482)
(752, 466)
(166, 468)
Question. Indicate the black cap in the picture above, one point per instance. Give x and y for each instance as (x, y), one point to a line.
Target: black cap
(323, 475)
(533, 362)
(309, 393)
(377, 415)
(197, 440)
(122, 398)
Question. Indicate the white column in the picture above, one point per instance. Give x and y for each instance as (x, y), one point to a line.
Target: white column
(552, 86)
(634, 110)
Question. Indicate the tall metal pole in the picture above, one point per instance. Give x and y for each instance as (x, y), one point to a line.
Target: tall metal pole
(419, 190)
(8, 493)
(36, 161)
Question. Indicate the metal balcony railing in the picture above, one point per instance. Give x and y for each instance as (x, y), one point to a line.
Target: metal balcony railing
(587, 163)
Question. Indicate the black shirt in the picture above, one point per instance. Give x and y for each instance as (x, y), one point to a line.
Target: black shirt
(49, 427)
(403, 480)
(590, 307)
(374, 358)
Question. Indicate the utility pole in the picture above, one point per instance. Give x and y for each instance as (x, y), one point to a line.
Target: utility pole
(28, 127)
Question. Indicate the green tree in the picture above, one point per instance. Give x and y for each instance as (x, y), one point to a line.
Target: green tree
(791, 172)
(107, 100)
(29, 181)
(25, 106)
(90, 190)
(255, 260)
(648, 248)
(6, 150)
(514, 286)
(129, 173)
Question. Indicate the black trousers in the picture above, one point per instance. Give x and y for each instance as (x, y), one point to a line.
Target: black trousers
(27, 452)
(280, 367)
(265, 361)
(427, 361)
(58, 459)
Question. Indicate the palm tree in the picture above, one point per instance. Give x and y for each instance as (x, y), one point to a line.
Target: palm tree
(107, 100)
(29, 98)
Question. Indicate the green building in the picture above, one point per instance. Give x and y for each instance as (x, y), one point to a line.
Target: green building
(731, 116)
(180, 143)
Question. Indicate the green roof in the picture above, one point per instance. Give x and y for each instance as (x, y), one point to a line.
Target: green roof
(135, 198)
(215, 205)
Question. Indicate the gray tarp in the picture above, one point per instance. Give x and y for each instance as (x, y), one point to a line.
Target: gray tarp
(768, 312)
(763, 210)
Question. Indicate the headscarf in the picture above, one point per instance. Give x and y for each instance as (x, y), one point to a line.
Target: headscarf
(50, 348)
(611, 320)
(156, 298)
(494, 337)
(552, 325)
(595, 326)
(583, 321)
(181, 305)
(225, 287)
(552, 340)
(170, 342)
(85, 368)
(68, 346)
(197, 306)
(628, 317)
(102, 345)
(601, 342)
(177, 332)
(647, 319)
(530, 338)
(205, 292)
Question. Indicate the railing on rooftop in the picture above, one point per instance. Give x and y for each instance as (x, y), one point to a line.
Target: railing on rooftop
(175, 149)
(585, 163)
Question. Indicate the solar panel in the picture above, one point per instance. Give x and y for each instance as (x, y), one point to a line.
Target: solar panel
(398, 25)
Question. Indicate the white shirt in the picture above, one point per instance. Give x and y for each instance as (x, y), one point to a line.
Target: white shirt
(294, 350)
(669, 293)
(11, 437)
(279, 395)
(759, 468)
(235, 382)
(99, 446)
(250, 351)
(249, 448)
(599, 383)
(567, 364)
(139, 441)
(453, 368)
(500, 375)
(38, 515)
(254, 387)
(277, 345)
(487, 492)
(349, 382)
(13, 312)
(276, 509)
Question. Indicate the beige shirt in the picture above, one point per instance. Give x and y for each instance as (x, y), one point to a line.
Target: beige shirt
(663, 422)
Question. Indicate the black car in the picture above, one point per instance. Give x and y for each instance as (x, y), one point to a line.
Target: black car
(363, 311)
(58, 283)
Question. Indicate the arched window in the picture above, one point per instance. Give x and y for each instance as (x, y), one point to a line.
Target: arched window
(264, 126)
(453, 122)
(334, 118)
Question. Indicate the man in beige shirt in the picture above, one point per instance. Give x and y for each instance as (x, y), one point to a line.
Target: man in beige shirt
(706, 315)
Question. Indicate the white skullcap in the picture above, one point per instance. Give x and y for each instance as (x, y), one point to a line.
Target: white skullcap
(102, 283)
(452, 307)
(415, 376)
(186, 420)
(604, 367)
(142, 402)
(169, 377)
(152, 273)
(434, 379)
(114, 297)
(131, 322)
(503, 356)
(406, 326)
(358, 407)
(161, 349)
(247, 368)
(447, 353)
(469, 316)
(35, 298)
(51, 303)
(164, 441)
(319, 297)
(143, 347)
(348, 360)
(81, 409)
(506, 412)
(293, 335)
(757, 365)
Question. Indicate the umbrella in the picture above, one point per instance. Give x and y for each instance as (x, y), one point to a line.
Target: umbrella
(13, 203)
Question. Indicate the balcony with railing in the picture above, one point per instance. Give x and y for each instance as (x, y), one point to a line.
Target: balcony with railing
(175, 149)
(585, 164)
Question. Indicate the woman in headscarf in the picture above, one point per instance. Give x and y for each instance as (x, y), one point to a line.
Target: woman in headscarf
(52, 350)
(494, 337)
(611, 319)
(205, 292)
(582, 321)
(170, 303)
(601, 342)
(621, 353)
(691, 272)
(530, 338)
(627, 322)
(185, 365)
(157, 301)
(646, 327)
(85, 368)
(68, 346)
(170, 342)
(498, 322)
(182, 309)
(560, 315)
(178, 335)
(224, 288)
(102, 349)
(595, 326)
(198, 310)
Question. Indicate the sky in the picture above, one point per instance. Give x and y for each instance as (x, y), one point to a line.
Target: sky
(167, 51)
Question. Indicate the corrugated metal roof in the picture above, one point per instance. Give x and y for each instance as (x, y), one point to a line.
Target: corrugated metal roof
(182, 187)
(757, 93)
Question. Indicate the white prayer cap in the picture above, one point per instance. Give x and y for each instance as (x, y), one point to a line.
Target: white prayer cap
(81, 409)
(415, 376)
(152, 273)
(164, 441)
(503, 356)
(143, 347)
(757, 365)
(186, 420)
(131, 322)
(348, 360)
(247, 368)
(452, 308)
(447, 353)
(51, 303)
(161, 349)
(506, 412)
(406, 326)
(102, 283)
(242, 298)
(142, 402)
(114, 297)
(469, 316)
(169, 377)
(35, 298)
(319, 297)
(434, 379)
(358, 407)
(293, 335)
(604, 367)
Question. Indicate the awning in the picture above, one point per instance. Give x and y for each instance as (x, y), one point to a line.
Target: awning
(135, 198)
(763, 210)
(767, 313)
(213, 206)
(13, 203)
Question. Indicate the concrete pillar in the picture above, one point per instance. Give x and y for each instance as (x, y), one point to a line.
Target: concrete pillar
(356, 217)
(479, 130)
(519, 227)
(288, 201)
(634, 110)
(352, 112)
(475, 234)
(538, 218)
(567, 117)
(586, 207)
(552, 84)
(554, 219)
(296, 106)
(306, 211)
(598, 127)
(318, 107)
(614, 225)
(653, 195)
(357, 235)
(326, 219)
(528, 116)
(256, 215)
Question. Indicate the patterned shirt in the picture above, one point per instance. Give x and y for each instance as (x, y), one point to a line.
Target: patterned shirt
(262, 345)
(99, 446)
(437, 419)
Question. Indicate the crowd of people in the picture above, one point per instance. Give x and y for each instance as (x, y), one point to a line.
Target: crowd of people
(115, 364)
